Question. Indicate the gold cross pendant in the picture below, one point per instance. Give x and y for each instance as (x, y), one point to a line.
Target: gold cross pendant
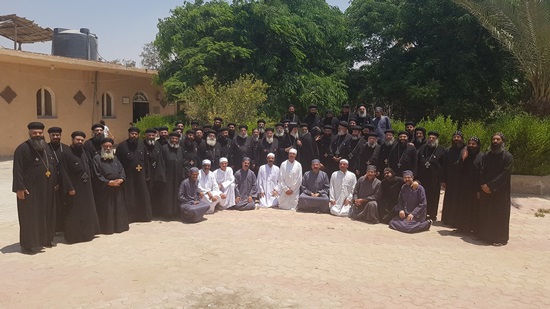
(139, 168)
(48, 173)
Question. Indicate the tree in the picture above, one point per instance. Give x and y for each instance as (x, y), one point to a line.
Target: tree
(129, 63)
(428, 57)
(523, 28)
(150, 57)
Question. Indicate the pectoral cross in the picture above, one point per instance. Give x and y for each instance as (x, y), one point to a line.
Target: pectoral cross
(139, 168)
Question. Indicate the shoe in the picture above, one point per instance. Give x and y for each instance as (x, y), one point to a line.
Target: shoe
(26, 251)
(50, 244)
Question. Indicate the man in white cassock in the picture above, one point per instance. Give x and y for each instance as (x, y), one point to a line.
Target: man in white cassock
(268, 177)
(208, 188)
(226, 184)
(342, 183)
(290, 180)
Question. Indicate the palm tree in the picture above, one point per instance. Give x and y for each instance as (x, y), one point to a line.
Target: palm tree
(523, 28)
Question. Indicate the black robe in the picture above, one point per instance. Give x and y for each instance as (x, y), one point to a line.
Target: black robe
(58, 153)
(402, 158)
(109, 201)
(355, 150)
(242, 147)
(286, 141)
(494, 208)
(390, 189)
(134, 159)
(81, 221)
(212, 153)
(226, 150)
(313, 120)
(323, 145)
(451, 176)
(191, 152)
(333, 121)
(308, 151)
(339, 148)
(429, 170)
(37, 211)
(92, 147)
(468, 213)
(383, 156)
(369, 156)
(172, 169)
(265, 148)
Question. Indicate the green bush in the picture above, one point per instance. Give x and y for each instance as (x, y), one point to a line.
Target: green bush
(152, 121)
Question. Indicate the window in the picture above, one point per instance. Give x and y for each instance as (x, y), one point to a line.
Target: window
(45, 105)
(107, 105)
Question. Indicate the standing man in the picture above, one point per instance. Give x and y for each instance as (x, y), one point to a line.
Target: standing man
(93, 145)
(451, 181)
(81, 222)
(268, 178)
(192, 208)
(366, 194)
(35, 182)
(410, 129)
(362, 117)
(494, 206)
(419, 137)
(330, 120)
(152, 151)
(411, 208)
(385, 149)
(109, 178)
(208, 187)
(211, 149)
(403, 156)
(312, 119)
(342, 183)
(290, 140)
(323, 145)
(58, 150)
(267, 145)
(430, 168)
(226, 184)
(291, 115)
(339, 146)
(290, 179)
(226, 144)
(370, 153)
(308, 147)
(315, 189)
(381, 123)
(133, 156)
(261, 127)
(242, 146)
(245, 187)
(355, 149)
(190, 148)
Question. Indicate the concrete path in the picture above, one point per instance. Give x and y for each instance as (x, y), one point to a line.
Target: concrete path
(278, 259)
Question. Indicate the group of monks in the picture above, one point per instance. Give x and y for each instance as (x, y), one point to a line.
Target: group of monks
(349, 166)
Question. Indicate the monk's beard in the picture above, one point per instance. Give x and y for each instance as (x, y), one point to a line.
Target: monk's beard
(296, 135)
(78, 148)
(279, 133)
(362, 114)
(420, 141)
(355, 137)
(255, 138)
(390, 142)
(150, 142)
(473, 151)
(174, 145)
(97, 139)
(458, 144)
(243, 135)
(269, 140)
(371, 145)
(132, 141)
(211, 141)
(38, 143)
(107, 154)
(261, 130)
(433, 144)
(188, 143)
(341, 132)
(496, 148)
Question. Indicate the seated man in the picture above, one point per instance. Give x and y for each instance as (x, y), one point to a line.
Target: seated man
(245, 187)
(365, 197)
(342, 183)
(411, 208)
(208, 188)
(226, 183)
(315, 187)
(390, 188)
(268, 177)
(192, 207)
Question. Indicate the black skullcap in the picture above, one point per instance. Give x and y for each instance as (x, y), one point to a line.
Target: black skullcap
(435, 133)
(343, 124)
(373, 134)
(194, 122)
(389, 131)
(190, 131)
(163, 128)
(356, 128)
(329, 111)
(97, 125)
(55, 130)
(218, 118)
(149, 130)
(207, 126)
(199, 129)
(353, 118)
(223, 129)
(362, 104)
(312, 106)
(286, 120)
(178, 122)
(78, 133)
(279, 124)
(232, 124)
(269, 129)
(107, 140)
(303, 124)
(345, 106)
(292, 125)
(243, 126)
(174, 134)
(458, 132)
(410, 123)
(133, 129)
(260, 121)
(210, 132)
(389, 169)
(369, 126)
(402, 133)
(501, 136)
(328, 126)
(420, 129)
(177, 129)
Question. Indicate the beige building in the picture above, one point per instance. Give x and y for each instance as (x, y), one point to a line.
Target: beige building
(72, 94)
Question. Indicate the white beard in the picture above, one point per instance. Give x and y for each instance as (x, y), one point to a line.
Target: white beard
(255, 138)
(107, 155)
(354, 137)
(390, 142)
(150, 142)
(296, 135)
(243, 135)
(211, 142)
(372, 145)
(341, 133)
(175, 146)
(279, 133)
(433, 144)
(362, 115)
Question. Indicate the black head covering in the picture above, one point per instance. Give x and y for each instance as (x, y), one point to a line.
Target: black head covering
(35, 126)
(97, 125)
(163, 128)
(107, 140)
(150, 131)
(435, 133)
(55, 130)
(174, 134)
(78, 133)
(133, 129)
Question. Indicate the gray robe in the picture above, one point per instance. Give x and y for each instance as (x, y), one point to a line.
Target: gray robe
(245, 186)
(314, 183)
(192, 209)
(412, 202)
(371, 192)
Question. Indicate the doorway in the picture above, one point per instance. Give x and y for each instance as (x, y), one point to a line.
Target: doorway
(140, 106)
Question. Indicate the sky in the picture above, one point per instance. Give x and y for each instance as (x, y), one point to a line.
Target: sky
(122, 26)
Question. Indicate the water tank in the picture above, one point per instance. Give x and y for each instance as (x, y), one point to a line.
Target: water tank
(74, 44)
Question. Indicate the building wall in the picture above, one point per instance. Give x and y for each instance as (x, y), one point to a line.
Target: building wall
(26, 80)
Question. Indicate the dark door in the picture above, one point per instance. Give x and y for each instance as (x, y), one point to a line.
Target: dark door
(141, 109)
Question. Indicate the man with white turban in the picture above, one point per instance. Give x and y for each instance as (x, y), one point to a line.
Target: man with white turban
(268, 177)
(208, 188)
(290, 180)
(226, 183)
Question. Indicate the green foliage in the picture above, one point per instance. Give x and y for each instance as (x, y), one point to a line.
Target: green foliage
(237, 101)
(152, 121)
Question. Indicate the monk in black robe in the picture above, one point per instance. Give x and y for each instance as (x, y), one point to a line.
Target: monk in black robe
(58, 149)
(172, 168)
(355, 150)
(323, 145)
(494, 205)
(370, 152)
(339, 148)
(152, 151)
(226, 145)
(386, 147)
(35, 181)
(287, 142)
(132, 155)
(389, 188)
(452, 180)
(267, 145)
(468, 213)
(190, 149)
(81, 221)
(430, 162)
(307, 148)
(109, 178)
(312, 120)
(93, 145)
(403, 156)
(242, 147)
(211, 150)
(192, 208)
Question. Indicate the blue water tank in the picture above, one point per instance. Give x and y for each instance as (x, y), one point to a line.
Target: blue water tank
(74, 44)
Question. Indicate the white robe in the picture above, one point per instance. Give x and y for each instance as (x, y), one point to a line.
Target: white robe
(341, 188)
(207, 183)
(290, 177)
(227, 181)
(267, 183)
